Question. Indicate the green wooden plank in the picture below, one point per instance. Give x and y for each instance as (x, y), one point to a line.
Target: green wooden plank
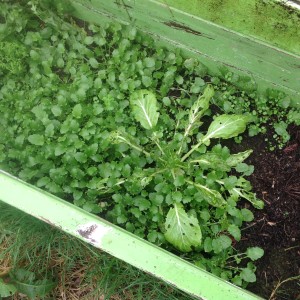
(118, 242)
(217, 47)
(267, 20)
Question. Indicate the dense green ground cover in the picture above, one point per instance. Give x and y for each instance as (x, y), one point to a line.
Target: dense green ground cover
(104, 118)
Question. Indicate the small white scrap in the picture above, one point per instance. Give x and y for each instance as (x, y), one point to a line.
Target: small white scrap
(93, 233)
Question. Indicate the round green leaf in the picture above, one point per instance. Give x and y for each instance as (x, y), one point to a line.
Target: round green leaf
(254, 253)
(36, 139)
(248, 275)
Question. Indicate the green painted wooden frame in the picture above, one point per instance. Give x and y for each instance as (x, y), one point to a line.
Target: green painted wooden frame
(272, 21)
(117, 241)
(217, 47)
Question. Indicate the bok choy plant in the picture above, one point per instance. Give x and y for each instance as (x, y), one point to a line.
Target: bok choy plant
(187, 193)
(198, 169)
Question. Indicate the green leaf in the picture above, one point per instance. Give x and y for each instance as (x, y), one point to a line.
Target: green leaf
(230, 182)
(244, 168)
(235, 231)
(179, 180)
(285, 102)
(294, 117)
(213, 197)
(26, 283)
(247, 215)
(182, 231)
(152, 236)
(6, 289)
(39, 112)
(248, 275)
(80, 157)
(208, 244)
(235, 159)
(56, 110)
(43, 181)
(177, 196)
(49, 131)
(36, 139)
(179, 79)
(144, 107)
(167, 101)
(254, 253)
(205, 215)
(149, 62)
(199, 108)
(77, 110)
(190, 63)
(93, 62)
(212, 161)
(142, 203)
(226, 126)
(280, 128)
(147, 81)
(122, 219)
(60, 149)
(91, 207)
(221, 243)
(251, 197)
(88, 40)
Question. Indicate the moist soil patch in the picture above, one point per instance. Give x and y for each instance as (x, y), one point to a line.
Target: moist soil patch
(276, 229)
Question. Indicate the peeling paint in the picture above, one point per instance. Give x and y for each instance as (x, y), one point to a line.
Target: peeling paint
(48, 222)
(122, 4)
(187, 29)
(281, 22)
(93, 233)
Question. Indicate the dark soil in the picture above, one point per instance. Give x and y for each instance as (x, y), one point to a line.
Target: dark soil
(276, 228)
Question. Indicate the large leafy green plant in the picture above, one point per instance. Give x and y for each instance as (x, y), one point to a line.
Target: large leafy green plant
(188, 194)
(202, 171)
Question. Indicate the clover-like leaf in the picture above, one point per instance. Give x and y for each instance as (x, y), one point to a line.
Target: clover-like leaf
(221, 243)
(234, 231)
(255, 253)
(36, 139)
(248, 275)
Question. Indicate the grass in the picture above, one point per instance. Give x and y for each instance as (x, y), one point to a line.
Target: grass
(81, 271)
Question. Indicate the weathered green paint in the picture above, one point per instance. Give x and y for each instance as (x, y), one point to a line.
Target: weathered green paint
(217, 47)
(117, 242)
(267, 20)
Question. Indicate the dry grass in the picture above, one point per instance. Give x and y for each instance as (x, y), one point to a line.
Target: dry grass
(73, 283)
(81, 271)
(5, 259)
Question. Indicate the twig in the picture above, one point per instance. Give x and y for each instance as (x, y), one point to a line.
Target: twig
(290, 248)
(281, 283)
